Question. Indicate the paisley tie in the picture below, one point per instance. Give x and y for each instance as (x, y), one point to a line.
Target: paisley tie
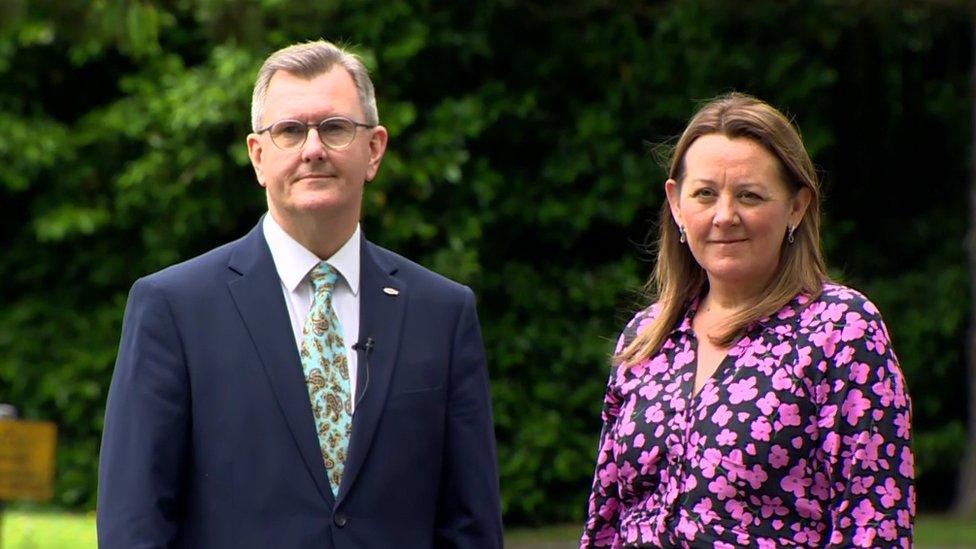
(327, 374)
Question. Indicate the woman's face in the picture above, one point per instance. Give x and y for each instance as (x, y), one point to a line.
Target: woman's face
(735, 208)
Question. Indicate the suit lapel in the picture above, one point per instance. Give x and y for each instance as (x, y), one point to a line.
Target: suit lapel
(381, 306)
(258, 296)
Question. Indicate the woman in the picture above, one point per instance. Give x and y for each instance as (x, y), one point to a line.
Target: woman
(756, 403)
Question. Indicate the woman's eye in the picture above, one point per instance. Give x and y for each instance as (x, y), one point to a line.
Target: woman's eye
(703, 193)
(750, 197)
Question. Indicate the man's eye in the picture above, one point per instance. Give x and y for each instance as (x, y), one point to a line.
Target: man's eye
(291, 129)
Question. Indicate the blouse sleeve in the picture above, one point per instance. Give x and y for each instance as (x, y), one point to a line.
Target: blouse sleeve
(866, 420)
(603, 510)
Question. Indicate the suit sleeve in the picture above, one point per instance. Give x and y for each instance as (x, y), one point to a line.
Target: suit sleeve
(469, 508)
(144, 441)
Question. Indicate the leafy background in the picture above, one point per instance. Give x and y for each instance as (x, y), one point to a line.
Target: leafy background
(522, 162)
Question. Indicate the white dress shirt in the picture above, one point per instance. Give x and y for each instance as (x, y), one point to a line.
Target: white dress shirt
(294, 262)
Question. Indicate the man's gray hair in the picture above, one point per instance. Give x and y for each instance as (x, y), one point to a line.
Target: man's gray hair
(309, 60)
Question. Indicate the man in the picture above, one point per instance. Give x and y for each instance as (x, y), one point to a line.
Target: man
(301, 387)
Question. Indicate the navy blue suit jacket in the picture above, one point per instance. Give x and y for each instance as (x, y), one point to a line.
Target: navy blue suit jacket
(209, 440)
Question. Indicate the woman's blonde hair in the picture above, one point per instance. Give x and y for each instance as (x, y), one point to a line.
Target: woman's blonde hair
(678, 278)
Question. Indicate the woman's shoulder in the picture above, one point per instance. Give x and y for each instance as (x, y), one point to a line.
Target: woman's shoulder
(637, 323)
(840, 305)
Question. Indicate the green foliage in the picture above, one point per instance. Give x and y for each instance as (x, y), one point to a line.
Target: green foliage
(519, 163)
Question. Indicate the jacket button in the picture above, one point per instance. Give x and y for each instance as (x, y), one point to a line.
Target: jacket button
(340, 520)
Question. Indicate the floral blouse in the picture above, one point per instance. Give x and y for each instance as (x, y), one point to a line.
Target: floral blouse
(801, 437)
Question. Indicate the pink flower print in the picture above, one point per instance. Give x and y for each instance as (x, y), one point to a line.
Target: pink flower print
(854, 406)
(704, 510)
(710, 460)
(650, 389)
(844, 356)
(626, 426)
(678, 404)
(861, 485)
(821, 487)
(907, 465)
(864, 537)
(708, 395)
(608, 475)
(826, 340)
(789, 414)
(683, 357)
(722, 415)
(833, 312)
(879, 342)
(756, 477)
(687, 528)
(723, 545)
(867, 452)
(772, 506)
(658, 365)
(639, 440)
(689, 483)
(751, 449)
(883, 390)
(887, 530)
(766, 543)
(760, 429)
(808, 508)
(768, 403)
(782, 381)
(743, 391)
(797, 481)
(727, 437)
(828, 415)
(903, 425)
(609, 508)
(863, 513)
(648, 460)
(721, 488)
(654, 414)
(854, 327)
(778, 456)
(904, 518)
(859, 372)
(627, 472)
(889, 492)
(781, 349)
(742, 416)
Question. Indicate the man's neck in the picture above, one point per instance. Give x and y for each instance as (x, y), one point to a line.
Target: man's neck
(322, 237)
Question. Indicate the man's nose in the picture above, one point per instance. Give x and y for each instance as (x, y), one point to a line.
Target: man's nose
(314, 150)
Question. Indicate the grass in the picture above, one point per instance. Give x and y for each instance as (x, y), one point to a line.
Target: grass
(39, 530)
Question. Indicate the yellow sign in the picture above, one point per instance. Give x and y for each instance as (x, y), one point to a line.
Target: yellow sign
(27, 460)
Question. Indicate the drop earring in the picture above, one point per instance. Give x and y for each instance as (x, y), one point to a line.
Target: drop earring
(682, 238)
(789, 234)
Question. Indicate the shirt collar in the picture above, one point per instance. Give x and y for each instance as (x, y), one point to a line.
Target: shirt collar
(293, 261)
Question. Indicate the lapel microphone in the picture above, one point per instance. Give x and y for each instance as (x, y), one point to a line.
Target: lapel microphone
(366, 347)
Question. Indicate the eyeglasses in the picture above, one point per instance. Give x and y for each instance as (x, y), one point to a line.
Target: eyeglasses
(336, 133)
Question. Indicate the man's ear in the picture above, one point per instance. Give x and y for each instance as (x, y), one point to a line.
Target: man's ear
(255, 152)
(377, 148)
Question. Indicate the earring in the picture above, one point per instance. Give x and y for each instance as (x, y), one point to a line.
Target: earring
(682, 238)
(789, 234)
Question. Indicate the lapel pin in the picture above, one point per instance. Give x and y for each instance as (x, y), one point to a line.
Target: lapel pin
(391, 291)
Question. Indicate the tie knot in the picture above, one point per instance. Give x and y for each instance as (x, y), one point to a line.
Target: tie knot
(323, 277)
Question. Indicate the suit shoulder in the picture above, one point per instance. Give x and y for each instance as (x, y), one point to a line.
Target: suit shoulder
(417, 275)
(199, 271)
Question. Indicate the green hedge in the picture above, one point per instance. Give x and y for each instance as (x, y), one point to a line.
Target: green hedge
(520, 162)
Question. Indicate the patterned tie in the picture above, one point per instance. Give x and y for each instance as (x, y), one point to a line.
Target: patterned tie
(327, 374)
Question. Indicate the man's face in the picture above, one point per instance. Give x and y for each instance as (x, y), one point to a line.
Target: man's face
(314, 180)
